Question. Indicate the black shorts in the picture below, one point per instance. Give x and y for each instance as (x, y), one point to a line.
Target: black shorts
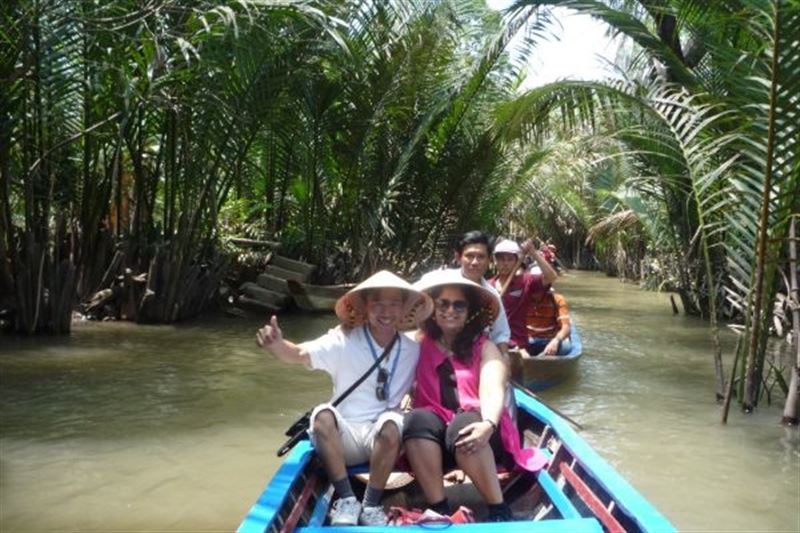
(425, 424)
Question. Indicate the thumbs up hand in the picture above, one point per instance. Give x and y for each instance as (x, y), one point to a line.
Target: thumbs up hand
(269, 334)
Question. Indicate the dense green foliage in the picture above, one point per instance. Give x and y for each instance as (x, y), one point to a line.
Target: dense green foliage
(358, 134)
(135, 136)
(705, 132)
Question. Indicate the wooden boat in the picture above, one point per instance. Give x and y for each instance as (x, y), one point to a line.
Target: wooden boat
(539, 372)
(577, 492)
(316, 297)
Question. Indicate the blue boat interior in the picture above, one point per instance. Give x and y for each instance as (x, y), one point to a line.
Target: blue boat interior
(576, 525)
(577, 492)
(540, 381)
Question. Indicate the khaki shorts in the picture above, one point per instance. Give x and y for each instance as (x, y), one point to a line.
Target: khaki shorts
(357, 437)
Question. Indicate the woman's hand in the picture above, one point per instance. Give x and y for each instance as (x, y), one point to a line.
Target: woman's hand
(474, 437)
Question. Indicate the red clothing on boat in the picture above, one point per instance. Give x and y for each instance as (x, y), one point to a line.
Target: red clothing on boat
(516, 302)
(428, 396)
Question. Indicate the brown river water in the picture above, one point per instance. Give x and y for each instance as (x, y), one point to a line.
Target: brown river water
(120, 427)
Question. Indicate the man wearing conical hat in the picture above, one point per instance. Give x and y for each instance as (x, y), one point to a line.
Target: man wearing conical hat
(367, 425)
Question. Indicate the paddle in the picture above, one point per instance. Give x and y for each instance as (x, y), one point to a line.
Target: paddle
(517, 266)
(533, 395)
(507, 282)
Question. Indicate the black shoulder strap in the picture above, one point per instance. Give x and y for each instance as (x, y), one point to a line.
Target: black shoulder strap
(369, 371)
(298, 430)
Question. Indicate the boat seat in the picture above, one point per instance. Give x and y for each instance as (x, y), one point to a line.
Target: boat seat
(514, 481)
(363, 468)
(573, 525)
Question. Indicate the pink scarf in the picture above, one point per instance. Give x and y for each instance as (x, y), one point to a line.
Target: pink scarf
(428, 394)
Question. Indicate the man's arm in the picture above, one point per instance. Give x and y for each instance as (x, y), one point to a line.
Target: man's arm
(564, 330)
(549, 274)
(270, 337)
(563, 333)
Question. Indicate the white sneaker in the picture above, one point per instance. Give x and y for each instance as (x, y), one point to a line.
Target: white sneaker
(345, 512)
(373, 516)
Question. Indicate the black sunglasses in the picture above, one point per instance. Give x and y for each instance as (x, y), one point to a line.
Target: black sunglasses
(459, 306)
(380, 390)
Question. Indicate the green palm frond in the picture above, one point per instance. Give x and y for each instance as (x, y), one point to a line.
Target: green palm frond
(769, 169)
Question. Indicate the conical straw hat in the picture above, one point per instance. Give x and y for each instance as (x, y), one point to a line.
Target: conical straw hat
(352, 312)
(441, 278)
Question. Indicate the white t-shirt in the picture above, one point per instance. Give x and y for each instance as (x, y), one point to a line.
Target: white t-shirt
(499, 331)
(347, 356)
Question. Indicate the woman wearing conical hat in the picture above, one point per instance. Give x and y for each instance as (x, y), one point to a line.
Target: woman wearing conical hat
(367, 425)
(460, 419)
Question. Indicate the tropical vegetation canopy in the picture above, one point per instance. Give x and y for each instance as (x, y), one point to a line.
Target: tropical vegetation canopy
(135, 137)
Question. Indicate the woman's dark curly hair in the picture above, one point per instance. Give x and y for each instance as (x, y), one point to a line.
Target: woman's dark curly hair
(462, 346)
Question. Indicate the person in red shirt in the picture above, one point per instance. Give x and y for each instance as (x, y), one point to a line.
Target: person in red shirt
(517, 286)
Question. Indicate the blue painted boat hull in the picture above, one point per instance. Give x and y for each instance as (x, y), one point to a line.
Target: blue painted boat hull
(557, 494)
(544, 371)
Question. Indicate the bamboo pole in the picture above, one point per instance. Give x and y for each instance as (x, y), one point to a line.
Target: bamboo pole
(726, 404)
(535, 396)
(507, 282)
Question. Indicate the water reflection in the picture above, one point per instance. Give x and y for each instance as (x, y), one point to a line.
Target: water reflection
(175, 427)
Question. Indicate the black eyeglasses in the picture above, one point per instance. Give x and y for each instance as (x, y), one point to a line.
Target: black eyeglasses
(380, 391)
(459, 306)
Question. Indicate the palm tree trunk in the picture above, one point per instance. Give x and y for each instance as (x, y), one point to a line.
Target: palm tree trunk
(752, 373)
(6, 231)
(270, 181)
(790, 410)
